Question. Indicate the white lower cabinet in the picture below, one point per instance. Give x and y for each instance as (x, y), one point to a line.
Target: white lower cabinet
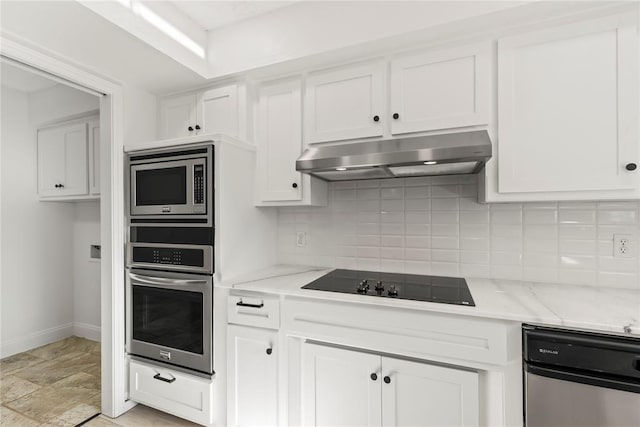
(421, 394)
(252, 369)
(184, 395)
(337, 387)
(342, 387)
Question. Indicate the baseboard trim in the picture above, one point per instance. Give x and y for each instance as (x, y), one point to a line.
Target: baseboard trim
(87, 331)
(35, 339)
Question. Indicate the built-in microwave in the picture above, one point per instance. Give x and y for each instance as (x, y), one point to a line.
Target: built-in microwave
(169, 186)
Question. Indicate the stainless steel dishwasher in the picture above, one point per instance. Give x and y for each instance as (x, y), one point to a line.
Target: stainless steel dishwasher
(580, 378)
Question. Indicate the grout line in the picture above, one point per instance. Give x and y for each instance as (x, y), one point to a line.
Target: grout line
(88, 419)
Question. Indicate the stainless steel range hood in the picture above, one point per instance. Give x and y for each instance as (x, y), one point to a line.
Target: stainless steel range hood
(446, 154)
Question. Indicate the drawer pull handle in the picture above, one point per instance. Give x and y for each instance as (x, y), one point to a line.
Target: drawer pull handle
(244, 304)
(166, 380)
(269, 351)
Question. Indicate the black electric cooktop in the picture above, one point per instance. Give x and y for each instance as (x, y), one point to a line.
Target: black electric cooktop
(447, 290)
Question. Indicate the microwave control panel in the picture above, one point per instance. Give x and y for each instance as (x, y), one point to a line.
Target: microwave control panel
(198, 188)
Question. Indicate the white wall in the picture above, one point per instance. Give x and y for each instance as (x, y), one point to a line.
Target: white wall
(59, 102)
(50, 289)
(37, 279)
(321, 27)
(435, 226)
(56, 104)
(86, 271)
(140, 115)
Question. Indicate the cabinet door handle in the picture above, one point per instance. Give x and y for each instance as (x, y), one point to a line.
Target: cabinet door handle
(387, 379)
(166, 380)
(376, 118)
(294, 185)
(631, 166)
(190, 128)
(61, 185)
(57, 186)
(197, 127)
(374, 376)
(244, 304)
(269, 351)
(396, 116)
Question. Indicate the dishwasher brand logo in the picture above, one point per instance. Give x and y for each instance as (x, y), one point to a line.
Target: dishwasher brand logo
(547, 351)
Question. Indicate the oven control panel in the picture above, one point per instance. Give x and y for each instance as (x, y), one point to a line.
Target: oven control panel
(160, 256)
(173, 256)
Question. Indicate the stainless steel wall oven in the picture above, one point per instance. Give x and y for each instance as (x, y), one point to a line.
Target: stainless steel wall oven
(170, 318)
(170, 257)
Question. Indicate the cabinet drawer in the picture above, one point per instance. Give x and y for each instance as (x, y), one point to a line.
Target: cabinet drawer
(177, 393)
(413, 333)
(258, 310)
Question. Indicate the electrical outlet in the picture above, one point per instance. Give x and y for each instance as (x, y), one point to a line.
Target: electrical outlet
(622, 246)
(301, 239)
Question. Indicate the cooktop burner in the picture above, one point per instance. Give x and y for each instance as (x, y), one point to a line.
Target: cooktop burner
(448, 290)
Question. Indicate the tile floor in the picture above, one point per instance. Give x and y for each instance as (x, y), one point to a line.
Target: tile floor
(140, 416)
(54, 385)
(58, 385)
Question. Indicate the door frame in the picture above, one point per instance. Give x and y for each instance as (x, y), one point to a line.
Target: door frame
(112, 230)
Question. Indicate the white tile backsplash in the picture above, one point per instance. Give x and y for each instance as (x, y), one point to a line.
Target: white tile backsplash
(435, 226)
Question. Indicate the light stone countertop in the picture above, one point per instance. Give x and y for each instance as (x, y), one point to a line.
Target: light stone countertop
(572, 306)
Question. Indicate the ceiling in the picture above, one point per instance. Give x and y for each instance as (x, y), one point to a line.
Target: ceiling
(22, 80)
(214, 14)
(73, 31)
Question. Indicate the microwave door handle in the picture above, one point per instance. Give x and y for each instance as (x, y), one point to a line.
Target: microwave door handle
(159, 281)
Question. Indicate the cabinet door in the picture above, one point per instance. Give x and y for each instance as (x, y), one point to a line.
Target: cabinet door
(253, 377)
(337, 387)
(419, 394)
(218, 111)
(279, 141)
(94, 157)
(568, 116)
(344, 103)
(177, 114)
(440, 89)
(62, 161)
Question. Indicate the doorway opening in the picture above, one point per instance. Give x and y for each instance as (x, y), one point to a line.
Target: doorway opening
(51, 294)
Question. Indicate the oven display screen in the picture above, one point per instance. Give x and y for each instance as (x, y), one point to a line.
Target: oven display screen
(161, 186)
(168, 318)
(172, 256)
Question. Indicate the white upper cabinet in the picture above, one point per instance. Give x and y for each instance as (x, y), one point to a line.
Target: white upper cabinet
(346, 103)
(94, 157)
(441, 88)
(279, 140)
(568, 111)
(220, 110)
(62, 161)
(178, 116)
(279, 144)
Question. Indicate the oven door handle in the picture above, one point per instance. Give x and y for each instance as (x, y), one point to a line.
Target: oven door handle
(160, 281)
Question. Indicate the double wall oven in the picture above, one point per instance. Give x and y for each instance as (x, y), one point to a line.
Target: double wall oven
(170, 257)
